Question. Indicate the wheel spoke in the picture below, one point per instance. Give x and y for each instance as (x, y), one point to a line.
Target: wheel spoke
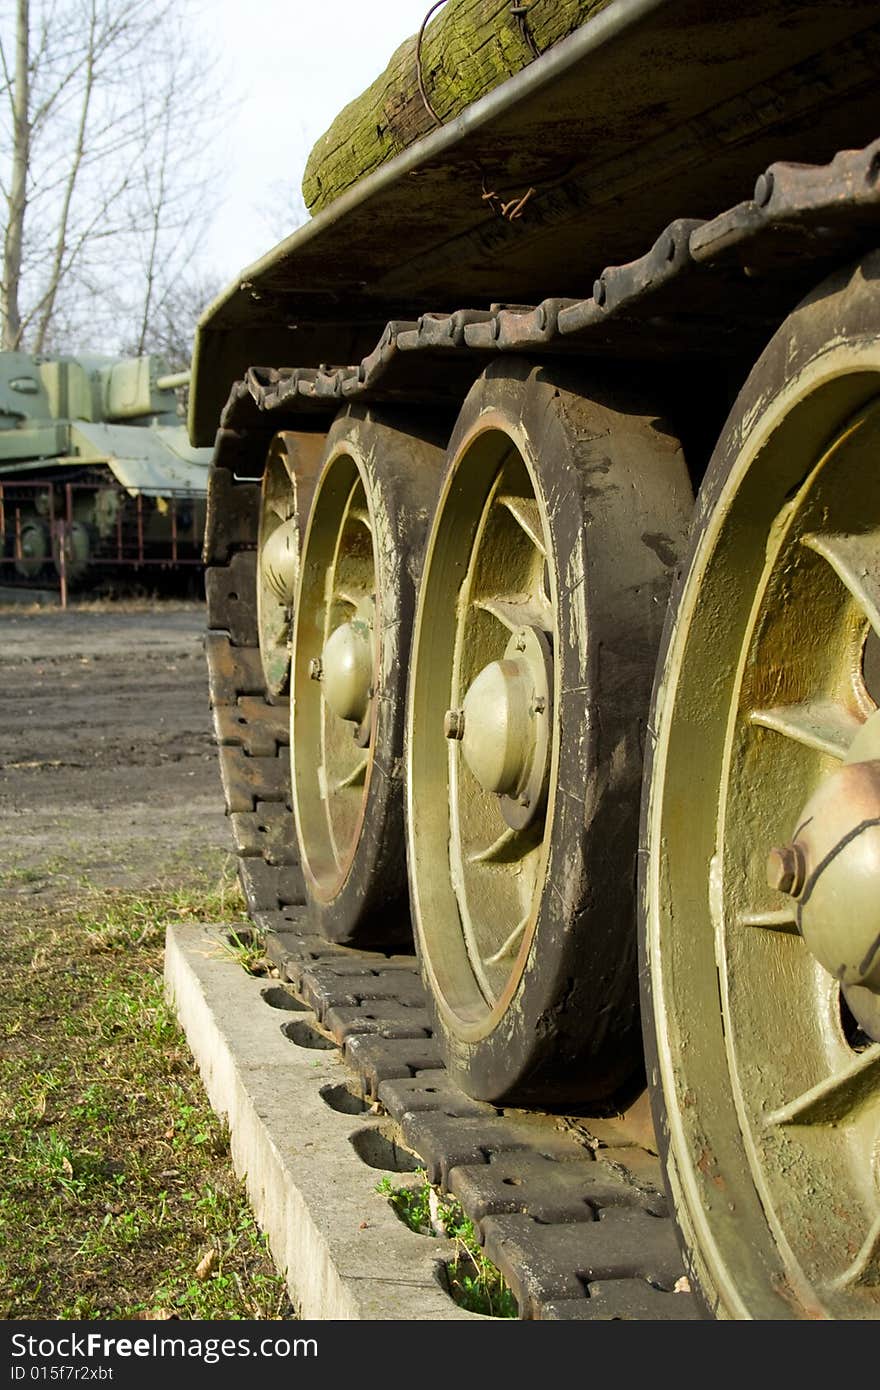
(782, 920)
(509, 947)
(501, 851)
(865, 1268)
(324, 786)
(355, 778)
(836, 1098)
(856, 562)
(351, 596)
(821, 724)
(527, 514)
(516, 614)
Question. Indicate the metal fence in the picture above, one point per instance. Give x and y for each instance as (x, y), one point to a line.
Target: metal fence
(69, 534)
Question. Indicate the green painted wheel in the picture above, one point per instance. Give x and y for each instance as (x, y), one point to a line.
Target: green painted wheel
(360, 563)
(277, 563)
(539, 615)
(32, 549)
(761, 964)
(75, 543)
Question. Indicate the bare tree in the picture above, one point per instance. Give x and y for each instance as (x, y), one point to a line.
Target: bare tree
(174, 314)
(102, 167)
(282, 210)
(18, 88)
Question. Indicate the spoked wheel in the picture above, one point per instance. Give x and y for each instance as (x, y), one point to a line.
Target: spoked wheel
(539, 615)
(277, 564)
(361, 559)
(762, 825)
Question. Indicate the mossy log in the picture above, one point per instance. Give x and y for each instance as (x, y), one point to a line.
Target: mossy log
(468, 48)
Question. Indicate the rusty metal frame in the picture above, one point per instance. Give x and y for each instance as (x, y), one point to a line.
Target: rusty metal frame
(118, 551)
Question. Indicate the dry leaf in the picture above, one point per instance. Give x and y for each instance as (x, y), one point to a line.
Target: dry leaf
(155, 1315)
(438, 1225)
(67, 1166)
(682, 1285)
(206, 1264)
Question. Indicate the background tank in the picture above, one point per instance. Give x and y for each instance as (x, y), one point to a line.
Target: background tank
(96, 471)
(481, 388)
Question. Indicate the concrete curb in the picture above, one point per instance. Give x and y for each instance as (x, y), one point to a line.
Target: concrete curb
(279, 1084)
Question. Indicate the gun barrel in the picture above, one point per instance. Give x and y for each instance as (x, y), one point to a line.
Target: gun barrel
(173, 380)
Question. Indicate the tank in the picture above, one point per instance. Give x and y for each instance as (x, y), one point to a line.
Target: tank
(97, 475)
(540, 527)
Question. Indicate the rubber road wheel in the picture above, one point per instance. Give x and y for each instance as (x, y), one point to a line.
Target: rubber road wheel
(32, 550)
(761, 834)
(360, 565)
(277, 563)
(546, 574)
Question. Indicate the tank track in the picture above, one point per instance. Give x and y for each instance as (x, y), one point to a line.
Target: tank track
(570, 1209)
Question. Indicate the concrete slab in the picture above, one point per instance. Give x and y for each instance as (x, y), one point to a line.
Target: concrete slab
(311, 1169)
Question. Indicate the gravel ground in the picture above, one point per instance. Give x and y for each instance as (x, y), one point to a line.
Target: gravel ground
(107, 770)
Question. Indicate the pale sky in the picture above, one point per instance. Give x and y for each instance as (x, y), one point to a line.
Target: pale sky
(296, 63)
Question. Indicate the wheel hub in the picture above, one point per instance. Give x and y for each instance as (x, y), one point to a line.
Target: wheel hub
(33, 549)
(279, 561)
(504, 726)
(832, 869)
(346, 669)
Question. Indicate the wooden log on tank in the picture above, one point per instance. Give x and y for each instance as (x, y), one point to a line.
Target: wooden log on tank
(468, 48)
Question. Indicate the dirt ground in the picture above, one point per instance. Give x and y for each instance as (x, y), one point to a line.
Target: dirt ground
(107, 770)
(117, 1194)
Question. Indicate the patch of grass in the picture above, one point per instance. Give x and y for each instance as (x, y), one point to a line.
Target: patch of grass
(122, 920)
(247, 945)
(144, 601)
(15, 876)
(474, 1282)
(117, 1194)
(18, 873)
